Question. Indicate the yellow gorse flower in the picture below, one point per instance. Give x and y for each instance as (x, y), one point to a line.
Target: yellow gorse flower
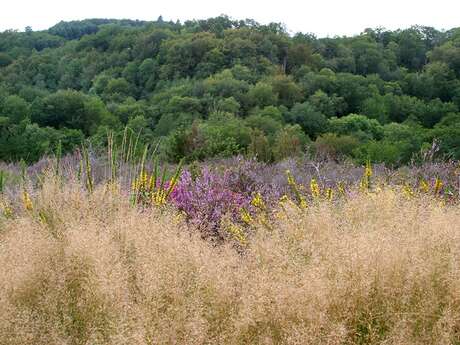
(314, 188)
(152, 183)
(27, 201)
(237, 234)
(329, 194)
(290, 178)
(159, 197)
(301, 202)
(368, 170)
(424, 186)
(284, 198)
(341, 188)
(246, 216)
(365, 183)
(437, 185)
(407, 189)
(6, 209)
(258, 201)
(145, 191)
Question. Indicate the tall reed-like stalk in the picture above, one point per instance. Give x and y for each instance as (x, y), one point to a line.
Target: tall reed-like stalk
(112, 157)
(86, 164)
(300, 199)
(58, 157)
(2, 181)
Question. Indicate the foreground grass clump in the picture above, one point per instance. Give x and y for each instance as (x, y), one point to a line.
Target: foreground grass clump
(375, 268)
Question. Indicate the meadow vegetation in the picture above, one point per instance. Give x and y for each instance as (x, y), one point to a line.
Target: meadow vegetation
(368, 262)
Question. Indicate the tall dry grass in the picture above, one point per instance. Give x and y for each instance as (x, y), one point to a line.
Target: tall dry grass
(374, 269)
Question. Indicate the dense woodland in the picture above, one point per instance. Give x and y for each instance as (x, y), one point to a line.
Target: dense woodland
(221, 87)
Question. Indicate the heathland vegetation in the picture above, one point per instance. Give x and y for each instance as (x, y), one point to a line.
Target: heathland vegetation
(221, 87)
(224, 182)
(97, 251)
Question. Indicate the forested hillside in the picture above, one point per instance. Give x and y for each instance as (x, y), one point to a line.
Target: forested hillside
(220, 87)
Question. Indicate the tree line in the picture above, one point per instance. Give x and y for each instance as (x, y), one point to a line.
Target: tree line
(221, 87)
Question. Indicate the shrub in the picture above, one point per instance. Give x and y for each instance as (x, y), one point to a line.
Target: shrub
(206, 199)
(331, 145)
(290, 141)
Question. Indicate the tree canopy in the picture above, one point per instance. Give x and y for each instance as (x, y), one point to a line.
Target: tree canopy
(219, 87)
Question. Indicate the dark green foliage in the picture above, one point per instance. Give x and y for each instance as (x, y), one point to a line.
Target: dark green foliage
(359, 126)
(30, 142)
(331, 145)
(311, 120)
(69, 109)
(220, 87)
(5, 60)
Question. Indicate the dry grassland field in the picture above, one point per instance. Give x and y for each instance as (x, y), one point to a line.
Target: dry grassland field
(363, 263)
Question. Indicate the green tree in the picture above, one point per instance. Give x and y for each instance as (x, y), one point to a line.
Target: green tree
(331, 145)
(15, 109)
(5, 60)
(262, 95)
(311, 120)
(287, 91)
(358, 126)
(69, 109)
(290, 141)
(328, 105)
(259, 146)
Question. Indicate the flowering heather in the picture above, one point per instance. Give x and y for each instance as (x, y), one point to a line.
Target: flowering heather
(225, 186)
(209, 197)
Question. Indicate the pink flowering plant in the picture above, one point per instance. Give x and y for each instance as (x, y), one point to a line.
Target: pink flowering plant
(209, 197)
